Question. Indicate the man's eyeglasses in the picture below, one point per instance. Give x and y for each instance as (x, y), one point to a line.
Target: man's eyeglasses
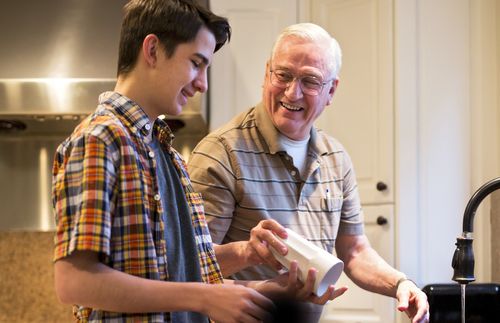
(309, 85)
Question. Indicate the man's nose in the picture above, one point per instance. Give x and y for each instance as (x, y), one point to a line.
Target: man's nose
(294, 90)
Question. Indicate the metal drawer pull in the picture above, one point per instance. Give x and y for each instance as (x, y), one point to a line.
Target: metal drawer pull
(381, 186)
(381, 220)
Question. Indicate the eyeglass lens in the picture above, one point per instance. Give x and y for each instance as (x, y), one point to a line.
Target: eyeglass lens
(309, 84)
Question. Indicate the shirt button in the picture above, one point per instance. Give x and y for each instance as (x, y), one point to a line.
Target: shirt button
(147, 126)
(293, 173)
(157, 197)
(151, 154)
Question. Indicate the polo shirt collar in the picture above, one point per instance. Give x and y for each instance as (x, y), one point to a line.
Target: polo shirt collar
(266, 127)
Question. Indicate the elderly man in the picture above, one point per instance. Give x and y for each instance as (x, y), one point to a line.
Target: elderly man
(270, 162)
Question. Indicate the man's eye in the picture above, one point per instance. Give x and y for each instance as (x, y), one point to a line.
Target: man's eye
(196, 64)
(311, 81)
(285, 77)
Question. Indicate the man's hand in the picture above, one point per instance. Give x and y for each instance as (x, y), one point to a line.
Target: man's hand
(305, 291)
(235, 256)
(288, 286)
(231, 302)
(263, 237)
(413, 302)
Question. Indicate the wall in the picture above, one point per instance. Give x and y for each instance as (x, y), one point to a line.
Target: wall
(495, 243)
(484, 120)
(27, 279)
(495, 200)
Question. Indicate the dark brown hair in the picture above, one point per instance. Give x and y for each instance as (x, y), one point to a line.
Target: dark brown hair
(173, 21)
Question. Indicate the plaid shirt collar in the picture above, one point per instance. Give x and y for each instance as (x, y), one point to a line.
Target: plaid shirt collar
(137, 120)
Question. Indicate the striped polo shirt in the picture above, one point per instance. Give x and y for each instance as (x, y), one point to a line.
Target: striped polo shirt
(245, 175)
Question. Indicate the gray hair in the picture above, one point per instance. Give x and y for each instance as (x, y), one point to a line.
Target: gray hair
(314, 33)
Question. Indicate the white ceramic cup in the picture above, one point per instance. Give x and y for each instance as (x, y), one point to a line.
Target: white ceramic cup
(309, 255)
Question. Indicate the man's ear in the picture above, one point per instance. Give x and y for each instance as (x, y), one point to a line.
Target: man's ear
(151, 49)
(331, 90)
(268, 66)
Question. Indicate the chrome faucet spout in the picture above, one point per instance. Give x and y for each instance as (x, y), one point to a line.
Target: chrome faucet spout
(463, 258)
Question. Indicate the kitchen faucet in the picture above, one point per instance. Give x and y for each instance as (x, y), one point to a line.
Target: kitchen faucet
(463, 258)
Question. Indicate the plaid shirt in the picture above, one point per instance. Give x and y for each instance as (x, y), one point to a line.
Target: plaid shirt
(106, 199)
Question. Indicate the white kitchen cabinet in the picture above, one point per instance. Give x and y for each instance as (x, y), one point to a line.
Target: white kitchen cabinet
(361, 113)
(238, 69)
(361, 116)
(358, 305)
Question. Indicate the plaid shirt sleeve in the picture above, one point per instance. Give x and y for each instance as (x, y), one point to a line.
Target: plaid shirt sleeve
(83, 177)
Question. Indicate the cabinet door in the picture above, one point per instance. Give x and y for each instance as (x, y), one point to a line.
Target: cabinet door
(361, 114)
(238, 69)
(358, 305)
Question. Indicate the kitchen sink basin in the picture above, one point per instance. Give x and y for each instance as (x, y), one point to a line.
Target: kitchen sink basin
(482, 303)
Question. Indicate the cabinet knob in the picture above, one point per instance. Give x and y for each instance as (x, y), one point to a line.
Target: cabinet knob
(381, 186)
(381, 220)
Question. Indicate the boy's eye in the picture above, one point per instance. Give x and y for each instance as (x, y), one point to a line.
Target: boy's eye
(195, 63)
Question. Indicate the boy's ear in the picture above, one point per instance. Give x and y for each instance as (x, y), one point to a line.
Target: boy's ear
(150, 49)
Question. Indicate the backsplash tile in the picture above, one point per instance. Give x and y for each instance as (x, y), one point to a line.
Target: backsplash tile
(27, 279)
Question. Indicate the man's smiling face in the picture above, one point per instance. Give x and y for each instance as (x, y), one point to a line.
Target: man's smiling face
(292, 112)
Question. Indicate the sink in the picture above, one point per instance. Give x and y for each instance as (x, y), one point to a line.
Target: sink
(482, 303)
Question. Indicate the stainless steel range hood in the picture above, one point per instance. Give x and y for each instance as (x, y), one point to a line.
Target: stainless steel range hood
(48, 105)
(57, 57)
(35, 117)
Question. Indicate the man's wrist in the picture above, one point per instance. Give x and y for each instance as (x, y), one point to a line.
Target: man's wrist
(402, 280)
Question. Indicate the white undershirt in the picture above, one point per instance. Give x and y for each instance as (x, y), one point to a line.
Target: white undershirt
(297, 149)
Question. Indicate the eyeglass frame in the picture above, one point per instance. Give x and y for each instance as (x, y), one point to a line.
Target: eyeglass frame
(299, 79)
